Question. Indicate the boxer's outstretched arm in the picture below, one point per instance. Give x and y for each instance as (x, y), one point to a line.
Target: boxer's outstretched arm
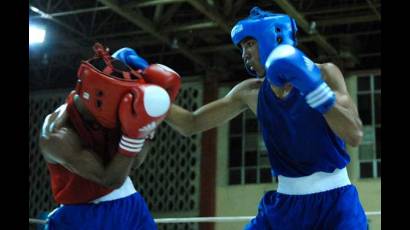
(215, 113)
(343, 118)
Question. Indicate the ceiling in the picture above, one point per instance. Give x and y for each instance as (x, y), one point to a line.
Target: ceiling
(193, 36)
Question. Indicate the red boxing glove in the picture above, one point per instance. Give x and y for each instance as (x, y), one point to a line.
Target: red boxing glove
(139, 114)
(165, 77)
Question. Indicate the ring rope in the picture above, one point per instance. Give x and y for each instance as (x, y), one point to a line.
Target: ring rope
(216, 219)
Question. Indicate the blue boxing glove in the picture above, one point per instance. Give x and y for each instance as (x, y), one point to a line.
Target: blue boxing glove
(288, 64)
(131, 58)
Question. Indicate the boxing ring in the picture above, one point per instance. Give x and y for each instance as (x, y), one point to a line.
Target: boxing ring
(161, 172)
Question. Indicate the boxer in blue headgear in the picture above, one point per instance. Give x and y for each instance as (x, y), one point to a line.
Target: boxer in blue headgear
(268, 29)
(306, 116)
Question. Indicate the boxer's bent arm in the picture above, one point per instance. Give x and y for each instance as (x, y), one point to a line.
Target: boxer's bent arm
(63, 147)
(343, 118)
(140, 158)
(213, 114)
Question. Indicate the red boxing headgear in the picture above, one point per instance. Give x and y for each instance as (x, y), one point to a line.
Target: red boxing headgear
(103, 82)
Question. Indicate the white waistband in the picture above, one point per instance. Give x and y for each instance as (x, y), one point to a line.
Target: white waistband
(317, 182)
(126, 189)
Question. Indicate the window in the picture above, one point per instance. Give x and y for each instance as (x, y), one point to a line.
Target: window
(369, 104)
(248, 158)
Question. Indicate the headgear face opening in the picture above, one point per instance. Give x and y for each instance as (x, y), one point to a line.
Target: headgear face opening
(268, 29)
(102, 83)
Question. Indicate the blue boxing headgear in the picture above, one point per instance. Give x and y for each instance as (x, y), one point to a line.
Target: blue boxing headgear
(268, 29)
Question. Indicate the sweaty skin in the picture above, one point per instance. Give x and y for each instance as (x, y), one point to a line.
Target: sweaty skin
(60, 144)
(343, 117)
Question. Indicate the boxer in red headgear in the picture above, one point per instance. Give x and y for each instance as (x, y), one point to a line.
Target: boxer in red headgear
(91, 142)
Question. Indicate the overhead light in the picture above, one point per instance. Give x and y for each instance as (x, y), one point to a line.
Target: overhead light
(174, 43)
(41, 13)
(36, 34)
(312, 27)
